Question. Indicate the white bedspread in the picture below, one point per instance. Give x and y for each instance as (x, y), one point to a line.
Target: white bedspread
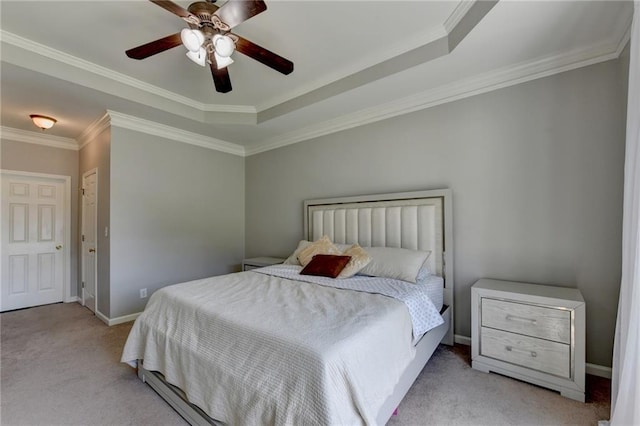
(255, 349)
(423, 312)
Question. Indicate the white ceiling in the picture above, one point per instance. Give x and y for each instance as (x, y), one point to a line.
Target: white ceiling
(355, 62)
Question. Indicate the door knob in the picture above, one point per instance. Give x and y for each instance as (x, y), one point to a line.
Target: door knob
(58, 247)
(92, 250)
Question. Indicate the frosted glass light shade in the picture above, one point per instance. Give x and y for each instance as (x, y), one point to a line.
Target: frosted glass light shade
(192, 39)
(223, 45)
(222, 61)
(43, 121)
(198, 57)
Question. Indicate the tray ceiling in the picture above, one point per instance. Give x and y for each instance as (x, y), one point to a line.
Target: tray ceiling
(355, 62)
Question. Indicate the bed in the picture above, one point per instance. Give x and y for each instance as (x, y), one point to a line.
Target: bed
(270, 346)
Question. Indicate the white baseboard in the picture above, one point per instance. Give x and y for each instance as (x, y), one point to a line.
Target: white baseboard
(593, 369)
(102, 317)
(463, 340)
(118, 320)
(72, 299)
(598, 370)
(124, 318)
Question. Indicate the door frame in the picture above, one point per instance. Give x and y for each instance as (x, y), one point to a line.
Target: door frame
(82, 255)
(66, 245)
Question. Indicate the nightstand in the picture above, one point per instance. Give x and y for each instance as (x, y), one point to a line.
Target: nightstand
(531, 332)
(259, 262)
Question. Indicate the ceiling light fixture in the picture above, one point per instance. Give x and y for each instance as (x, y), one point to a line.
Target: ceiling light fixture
(42, 121)
(209, 27)
(223, 45)
(192, 39)
(222, 61)
(202, 44)
(199, 57)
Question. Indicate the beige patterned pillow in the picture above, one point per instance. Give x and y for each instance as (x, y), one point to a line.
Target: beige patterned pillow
(359, 259)
(321, 246)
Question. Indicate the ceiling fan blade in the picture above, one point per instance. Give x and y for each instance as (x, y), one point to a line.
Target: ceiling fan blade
(220, 77)
(263, 55)
(174, 8)
(234, 12)
(154, 47)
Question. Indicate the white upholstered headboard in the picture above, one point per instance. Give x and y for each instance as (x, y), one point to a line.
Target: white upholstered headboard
(420, 220)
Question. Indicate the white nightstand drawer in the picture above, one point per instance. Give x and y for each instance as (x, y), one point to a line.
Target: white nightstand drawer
(537, 354)
(535, 321)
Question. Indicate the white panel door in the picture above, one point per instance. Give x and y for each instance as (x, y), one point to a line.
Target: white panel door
(89, 245)
(32, 237)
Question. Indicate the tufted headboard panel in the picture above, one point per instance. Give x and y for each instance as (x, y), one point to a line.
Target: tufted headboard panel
(413, 220)
(413, 224)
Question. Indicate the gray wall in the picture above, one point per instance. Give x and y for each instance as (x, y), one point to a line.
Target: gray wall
(177, 214)
(536, 172)
(97, 155)
(28, 157)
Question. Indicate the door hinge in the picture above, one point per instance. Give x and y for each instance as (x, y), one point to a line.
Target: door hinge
(82, 191)
(83, 238)
(82, 284)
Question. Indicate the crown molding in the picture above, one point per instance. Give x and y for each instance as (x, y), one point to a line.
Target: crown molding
(117, 119)
(345, 74)
(500, 78)
(487, 82)
(93, 130)
(626, 34)
(438, 34)
(38, 138)
(59, 56)
(130, 122)
(458, 13)
(433, 36)
(67, 59)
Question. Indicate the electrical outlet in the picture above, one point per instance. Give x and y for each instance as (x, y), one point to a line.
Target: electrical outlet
(143, 293)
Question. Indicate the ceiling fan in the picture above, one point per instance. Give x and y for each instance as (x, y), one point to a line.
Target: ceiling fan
(209, 38)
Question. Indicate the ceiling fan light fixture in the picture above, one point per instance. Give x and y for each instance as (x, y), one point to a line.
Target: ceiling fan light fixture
(192, 39)
(199, 57)
(42, 121)
(223, 45)
(209, 27)
(222, 61)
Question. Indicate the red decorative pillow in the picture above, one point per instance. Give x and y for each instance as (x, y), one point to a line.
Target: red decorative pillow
(326, 265)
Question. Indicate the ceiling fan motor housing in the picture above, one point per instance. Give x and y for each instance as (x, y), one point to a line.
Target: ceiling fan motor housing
(205, 12)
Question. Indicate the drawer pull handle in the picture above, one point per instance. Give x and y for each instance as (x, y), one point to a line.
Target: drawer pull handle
(523, 319)
(512, 349)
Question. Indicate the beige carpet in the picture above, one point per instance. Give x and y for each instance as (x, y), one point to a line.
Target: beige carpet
(60, 366)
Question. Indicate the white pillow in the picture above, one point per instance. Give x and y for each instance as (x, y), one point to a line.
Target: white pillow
(423, 273)
(397, 263)
(293, 259)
